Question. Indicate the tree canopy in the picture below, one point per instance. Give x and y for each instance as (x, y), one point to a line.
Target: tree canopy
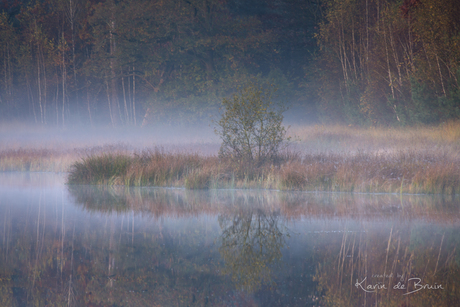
(132, 62)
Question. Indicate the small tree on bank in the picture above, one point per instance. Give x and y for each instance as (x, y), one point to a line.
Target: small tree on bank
(251, 126)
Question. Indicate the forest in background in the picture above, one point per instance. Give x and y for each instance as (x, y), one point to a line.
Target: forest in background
(135, 62)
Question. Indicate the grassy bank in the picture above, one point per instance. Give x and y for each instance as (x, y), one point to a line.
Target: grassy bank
(407, 172)
(329, 158)
(51, 159)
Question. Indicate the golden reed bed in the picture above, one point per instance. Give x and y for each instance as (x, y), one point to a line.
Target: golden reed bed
(322, 158)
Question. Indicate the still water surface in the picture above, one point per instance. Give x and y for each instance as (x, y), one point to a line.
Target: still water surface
(110, 246)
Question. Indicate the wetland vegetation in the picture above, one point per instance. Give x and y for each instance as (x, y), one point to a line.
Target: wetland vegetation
(327, 158)
(423, 160)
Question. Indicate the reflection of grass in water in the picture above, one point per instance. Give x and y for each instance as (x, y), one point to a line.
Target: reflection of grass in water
(100, 199)
(251, 239)
(249, 220)
(291, 205)
(385, 258)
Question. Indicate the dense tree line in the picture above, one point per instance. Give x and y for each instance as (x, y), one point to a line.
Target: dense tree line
(131, 62)
(387, 61)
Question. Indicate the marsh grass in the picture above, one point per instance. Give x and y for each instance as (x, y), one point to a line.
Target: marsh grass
(335, 158)
(402, 172)
(338, 138)
(52, 159)
(35, 160)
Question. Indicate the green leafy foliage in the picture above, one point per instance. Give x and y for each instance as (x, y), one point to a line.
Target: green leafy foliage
(251, 127)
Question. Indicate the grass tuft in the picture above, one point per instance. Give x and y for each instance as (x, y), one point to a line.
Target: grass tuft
(198, 180)
(401, 172)
(104, 169)
(334, 158)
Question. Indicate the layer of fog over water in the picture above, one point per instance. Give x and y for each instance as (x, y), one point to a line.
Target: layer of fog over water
(197, 138)
(176, 136)
(114, 246)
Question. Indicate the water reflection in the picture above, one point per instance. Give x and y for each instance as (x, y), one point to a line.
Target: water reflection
(101, 246)
(250, 243)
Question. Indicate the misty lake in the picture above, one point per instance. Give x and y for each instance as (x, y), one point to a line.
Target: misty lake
(113, 246)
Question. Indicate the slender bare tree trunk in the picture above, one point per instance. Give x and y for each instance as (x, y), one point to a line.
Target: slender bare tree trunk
(45, 97)
(395, 55)
(390, 78)
(130, 97)
(88, 105)
(113, 85)
(134, 96)
(124, 99)
(411, 56)
(5, 75)
(30, 96)
(56, 98)
(87, 94)
(440, 75)
(63, 71)
(342, 54)
(72, 13)
(353, 49)
(110, 103)
(39, 83)
(367, 37)
(439, 255)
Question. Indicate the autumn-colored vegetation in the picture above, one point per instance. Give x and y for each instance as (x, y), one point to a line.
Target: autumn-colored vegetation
(405, 172)
(326, 158)
(390, 62)
(130, 61)
(51, 160)
(422, 160)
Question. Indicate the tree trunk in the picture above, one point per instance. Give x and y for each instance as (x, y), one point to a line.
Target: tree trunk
(39, 83)
(64, 73)
(72, 12)
(113, 88)
(110, 103)
(124, 99)
(134, 96)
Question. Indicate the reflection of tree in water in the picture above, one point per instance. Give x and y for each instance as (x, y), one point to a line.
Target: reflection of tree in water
(120, 260)
(251, 243)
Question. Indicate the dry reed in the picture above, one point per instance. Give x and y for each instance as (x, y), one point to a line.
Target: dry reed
(334, 158)
(402, 172)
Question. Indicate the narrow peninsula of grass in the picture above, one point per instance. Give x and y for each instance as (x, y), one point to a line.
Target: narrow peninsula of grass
(404, 171)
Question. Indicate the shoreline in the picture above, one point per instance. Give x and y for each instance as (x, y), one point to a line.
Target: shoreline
(408, 173)
(420, 160)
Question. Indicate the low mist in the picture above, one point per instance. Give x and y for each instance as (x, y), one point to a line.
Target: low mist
(190, 137)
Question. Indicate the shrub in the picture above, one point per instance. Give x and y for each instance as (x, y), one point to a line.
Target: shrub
(251, 126)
